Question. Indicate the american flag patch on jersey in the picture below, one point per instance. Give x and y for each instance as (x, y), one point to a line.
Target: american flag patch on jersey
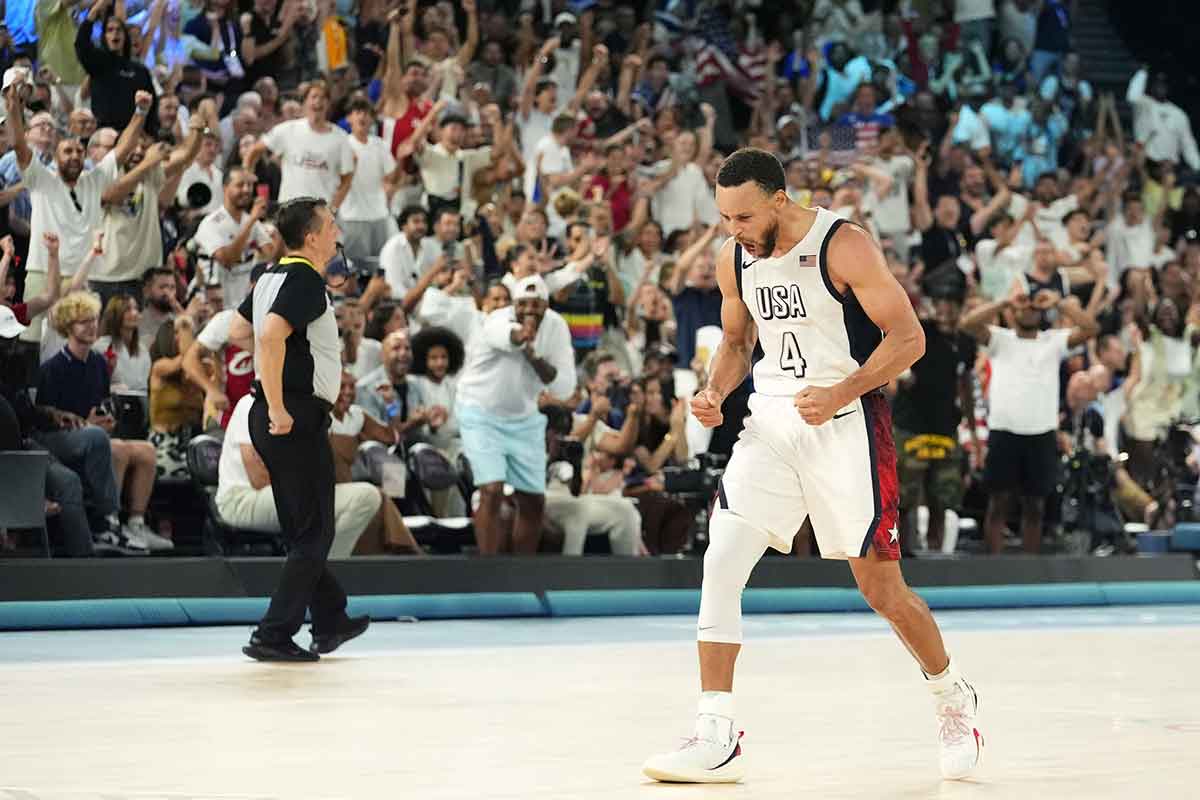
(808, 261)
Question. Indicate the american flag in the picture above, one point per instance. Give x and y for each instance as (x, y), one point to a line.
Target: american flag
(717, 56)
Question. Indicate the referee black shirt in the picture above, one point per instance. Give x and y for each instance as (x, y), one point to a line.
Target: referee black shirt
(312, 361)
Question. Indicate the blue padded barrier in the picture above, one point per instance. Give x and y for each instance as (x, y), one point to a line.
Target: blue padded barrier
(449, 606)
(1186, 537)
(148, 612)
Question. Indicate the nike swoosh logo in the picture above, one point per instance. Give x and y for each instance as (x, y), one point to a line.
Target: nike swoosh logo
(844, 414)
(707, 627)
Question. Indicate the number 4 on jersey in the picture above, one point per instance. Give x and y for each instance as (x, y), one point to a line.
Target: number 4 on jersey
(790, 357)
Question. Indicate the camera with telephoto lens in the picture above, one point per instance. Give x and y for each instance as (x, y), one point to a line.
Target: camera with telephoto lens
(701, 475)
(1087, 499)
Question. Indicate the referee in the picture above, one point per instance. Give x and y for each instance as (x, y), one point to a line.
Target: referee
(297, 357)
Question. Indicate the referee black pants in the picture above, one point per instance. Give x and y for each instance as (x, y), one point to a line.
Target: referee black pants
(301, 466)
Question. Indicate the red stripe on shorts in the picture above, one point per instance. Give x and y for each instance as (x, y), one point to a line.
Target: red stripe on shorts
(885, 534)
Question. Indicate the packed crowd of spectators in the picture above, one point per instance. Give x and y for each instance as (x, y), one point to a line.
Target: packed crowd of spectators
(554, 162)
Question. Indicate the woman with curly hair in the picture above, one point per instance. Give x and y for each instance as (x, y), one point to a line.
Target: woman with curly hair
(437, 357)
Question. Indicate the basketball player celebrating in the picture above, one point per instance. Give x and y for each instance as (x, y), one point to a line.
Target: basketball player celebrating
(809, 302)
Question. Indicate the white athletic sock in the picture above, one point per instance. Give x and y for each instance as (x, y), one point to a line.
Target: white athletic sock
(136, 519)
(114, 521)
(943, 678)
(714, 716)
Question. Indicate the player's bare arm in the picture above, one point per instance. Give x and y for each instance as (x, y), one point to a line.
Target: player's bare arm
(857, 265)
(731, 364)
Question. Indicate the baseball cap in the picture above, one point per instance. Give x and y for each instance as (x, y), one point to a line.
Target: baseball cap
(564, 18)
(531, 286)
(13, 73)
(9, 327)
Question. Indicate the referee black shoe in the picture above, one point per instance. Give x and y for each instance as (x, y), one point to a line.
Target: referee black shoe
(287, 650)
(350, 628)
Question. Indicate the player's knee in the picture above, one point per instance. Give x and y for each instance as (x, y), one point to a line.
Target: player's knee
(734, 548)
(886, 598)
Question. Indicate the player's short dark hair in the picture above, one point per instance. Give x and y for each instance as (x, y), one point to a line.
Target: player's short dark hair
(751, 164)
(543, 85)
(1131, 196)
(296, 219)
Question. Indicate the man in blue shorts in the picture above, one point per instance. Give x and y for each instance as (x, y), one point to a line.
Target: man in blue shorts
(521, 351)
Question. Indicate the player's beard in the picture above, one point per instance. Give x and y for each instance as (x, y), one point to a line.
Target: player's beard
(768, 242)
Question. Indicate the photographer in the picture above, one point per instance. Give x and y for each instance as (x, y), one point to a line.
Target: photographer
(234, 237)
(1090, 480)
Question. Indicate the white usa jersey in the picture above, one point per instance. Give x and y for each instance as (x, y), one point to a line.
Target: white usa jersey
(809, 334)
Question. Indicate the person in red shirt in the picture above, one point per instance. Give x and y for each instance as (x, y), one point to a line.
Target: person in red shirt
(614, 185)
(32, 307)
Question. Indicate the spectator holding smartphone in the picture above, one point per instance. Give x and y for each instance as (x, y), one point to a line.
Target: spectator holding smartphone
(76, 381)
(233, 237)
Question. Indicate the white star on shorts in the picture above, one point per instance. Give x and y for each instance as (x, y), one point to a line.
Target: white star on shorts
(895, 532)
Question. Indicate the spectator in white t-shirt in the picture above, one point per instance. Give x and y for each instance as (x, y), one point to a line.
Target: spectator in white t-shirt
(66, 201)
(405, 257)
(999, 259)
(1130, 237)
(360, 356)
(365, 221)
(551, 170)
(245, 499)
(680, 195)
(128, 358)
(317, 160)
(891, 215)
(1022, 454)
(233, 238)
(1159, 124)
(447, 168)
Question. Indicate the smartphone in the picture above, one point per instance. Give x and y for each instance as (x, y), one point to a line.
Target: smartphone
(450, 251)
(263, 191)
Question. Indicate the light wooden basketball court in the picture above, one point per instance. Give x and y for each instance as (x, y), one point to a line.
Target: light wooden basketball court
(1100, 703)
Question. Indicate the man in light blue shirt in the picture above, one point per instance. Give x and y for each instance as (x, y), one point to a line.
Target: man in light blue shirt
(1007, 122)
(840, 76)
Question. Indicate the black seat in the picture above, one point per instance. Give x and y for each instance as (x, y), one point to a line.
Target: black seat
(203, 459)
(23, 476)
(430, 471)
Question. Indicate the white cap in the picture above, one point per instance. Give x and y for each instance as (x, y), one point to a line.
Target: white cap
(9, 327)
(12, 73)
(564, 18)
(531, 286)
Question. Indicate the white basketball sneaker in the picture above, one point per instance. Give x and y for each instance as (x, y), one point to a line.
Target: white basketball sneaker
(712, 755)
(956, 706)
